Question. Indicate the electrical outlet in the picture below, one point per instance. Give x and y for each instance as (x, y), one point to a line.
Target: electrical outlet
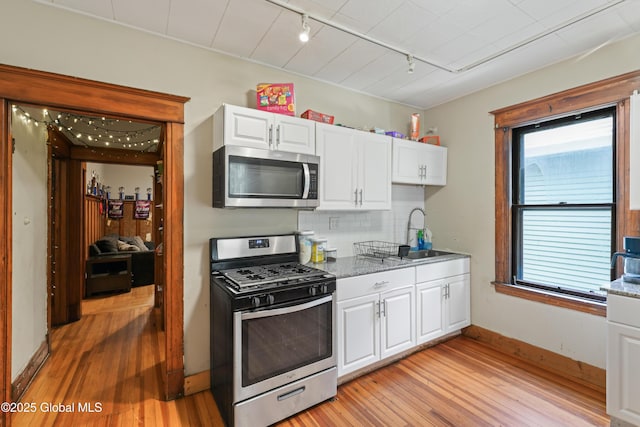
(334, 222)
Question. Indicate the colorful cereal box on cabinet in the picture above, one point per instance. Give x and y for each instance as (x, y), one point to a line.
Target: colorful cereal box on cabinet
(276, 98)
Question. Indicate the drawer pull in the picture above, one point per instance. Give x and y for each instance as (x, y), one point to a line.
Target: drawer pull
(381, 284)
(291, 393)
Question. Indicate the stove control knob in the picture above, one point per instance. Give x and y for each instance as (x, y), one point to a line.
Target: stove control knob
(324, 289)
(270, 299)
(255, 301)
(313, 290)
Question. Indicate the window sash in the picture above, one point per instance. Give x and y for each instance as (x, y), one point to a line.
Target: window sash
(565, 255)
(528, 248)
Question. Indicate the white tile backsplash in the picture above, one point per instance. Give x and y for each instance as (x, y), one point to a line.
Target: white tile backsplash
(358, 226)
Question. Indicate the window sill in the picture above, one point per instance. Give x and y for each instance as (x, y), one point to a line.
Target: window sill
(551, 298)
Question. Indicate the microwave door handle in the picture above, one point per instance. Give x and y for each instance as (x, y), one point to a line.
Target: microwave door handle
(307, 179)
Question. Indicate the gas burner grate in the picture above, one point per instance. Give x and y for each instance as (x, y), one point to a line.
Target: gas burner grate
(268, 274)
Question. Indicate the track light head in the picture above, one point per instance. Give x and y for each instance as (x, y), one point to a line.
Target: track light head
(412, 64)
(304, 34)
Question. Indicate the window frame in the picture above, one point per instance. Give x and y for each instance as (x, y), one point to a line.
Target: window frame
(611, 92)
(518, 206)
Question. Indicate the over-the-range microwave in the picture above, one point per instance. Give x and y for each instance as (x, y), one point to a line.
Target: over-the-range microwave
(250, 177)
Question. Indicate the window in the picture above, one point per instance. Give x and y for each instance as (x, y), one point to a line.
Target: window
(563, 207)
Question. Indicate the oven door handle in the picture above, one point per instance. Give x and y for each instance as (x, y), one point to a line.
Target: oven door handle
(285, 310)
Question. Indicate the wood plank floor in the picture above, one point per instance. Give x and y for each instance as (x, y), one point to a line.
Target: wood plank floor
(112, 357)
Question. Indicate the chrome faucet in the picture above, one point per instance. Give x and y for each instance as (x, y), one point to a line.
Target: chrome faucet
(409, 222)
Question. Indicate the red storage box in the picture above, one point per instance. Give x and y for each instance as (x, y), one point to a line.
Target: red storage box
(276, 98)
(318, 117)
(431, 139)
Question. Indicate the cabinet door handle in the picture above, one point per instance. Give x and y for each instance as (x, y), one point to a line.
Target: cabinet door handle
(355, 194)
(270, 135)
(278, 136)
(378, 309)
(384, 308)
(361, 197)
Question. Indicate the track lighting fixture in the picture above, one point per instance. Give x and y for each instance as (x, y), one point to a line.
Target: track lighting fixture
(304, 34)
(412, 64)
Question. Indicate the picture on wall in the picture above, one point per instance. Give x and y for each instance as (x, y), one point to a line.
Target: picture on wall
(142, 209)
(116, 209)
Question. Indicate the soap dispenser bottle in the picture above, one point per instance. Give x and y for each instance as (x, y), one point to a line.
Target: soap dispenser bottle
(420, 239)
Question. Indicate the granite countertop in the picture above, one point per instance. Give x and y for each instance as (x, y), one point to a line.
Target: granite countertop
(620, 287)
(358, 266)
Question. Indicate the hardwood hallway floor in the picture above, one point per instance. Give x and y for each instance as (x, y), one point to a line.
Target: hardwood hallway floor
(109, 361)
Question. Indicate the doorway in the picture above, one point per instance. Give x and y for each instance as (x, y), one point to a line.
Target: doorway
(18, 85)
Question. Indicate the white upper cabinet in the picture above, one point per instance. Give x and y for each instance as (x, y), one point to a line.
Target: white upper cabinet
(355, 169)
(418, 163)
(248, 127)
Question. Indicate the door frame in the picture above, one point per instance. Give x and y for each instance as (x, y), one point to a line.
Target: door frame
(92, 97)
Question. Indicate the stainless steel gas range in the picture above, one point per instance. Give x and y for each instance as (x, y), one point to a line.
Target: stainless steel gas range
(272, 332)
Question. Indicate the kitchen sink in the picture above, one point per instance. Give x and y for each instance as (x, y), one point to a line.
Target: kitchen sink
(426, 253)
(415, 256)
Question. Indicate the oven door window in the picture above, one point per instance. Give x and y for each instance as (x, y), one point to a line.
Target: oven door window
(265, 178)
(279, 343)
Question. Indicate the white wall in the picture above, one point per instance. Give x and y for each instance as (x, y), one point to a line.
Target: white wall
(126, 176)
(463, 211)
(29, 315)
(98, 50)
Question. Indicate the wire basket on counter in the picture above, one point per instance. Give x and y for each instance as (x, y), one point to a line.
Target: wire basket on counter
(376, 249)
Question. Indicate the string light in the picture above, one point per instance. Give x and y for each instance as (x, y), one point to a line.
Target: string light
(102, 129)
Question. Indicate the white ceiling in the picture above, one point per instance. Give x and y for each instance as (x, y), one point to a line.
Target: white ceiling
(524, 35)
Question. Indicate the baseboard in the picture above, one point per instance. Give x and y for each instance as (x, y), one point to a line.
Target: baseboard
(581, 372)
(27, 375)
(197, 382)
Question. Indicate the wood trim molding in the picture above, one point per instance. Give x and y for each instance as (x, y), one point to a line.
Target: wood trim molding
(25, 377)
(559, 300)
(590, 96)
(6, 272)
(583, 373)
(198, 382)
(173, 201)
(21, 85)
(60, 91)
(609, 92)
(113, 155)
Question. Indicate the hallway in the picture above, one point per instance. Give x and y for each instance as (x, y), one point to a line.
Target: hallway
(104, 370)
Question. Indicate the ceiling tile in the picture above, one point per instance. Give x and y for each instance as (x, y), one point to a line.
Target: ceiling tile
(363, 19)
(557, 11)
(281, 42)
(262, 19)
(401, 24)
(630, 13)
(456, 32)
(379, 69)
(354, 58)
(322, 47)
(195, 20)
(509, 21)
(151, 15)
(589, 34)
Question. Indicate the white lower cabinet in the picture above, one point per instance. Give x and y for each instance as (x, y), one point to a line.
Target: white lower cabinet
(382, 314)
(375, 317)
(623, 356)
(443, 298)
